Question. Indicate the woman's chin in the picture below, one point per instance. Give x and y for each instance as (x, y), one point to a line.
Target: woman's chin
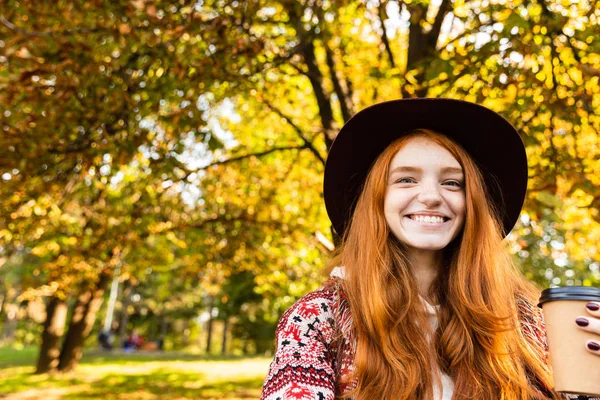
(427, 245)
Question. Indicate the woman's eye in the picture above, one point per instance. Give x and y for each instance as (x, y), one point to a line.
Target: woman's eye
(405, 180)
(454, 183)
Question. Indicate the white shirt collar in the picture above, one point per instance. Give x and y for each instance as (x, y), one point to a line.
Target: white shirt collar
(340, 272)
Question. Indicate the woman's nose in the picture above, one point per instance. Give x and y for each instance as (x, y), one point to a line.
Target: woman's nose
(430, 194)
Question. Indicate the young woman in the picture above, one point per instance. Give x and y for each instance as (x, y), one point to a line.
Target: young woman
(424, 301)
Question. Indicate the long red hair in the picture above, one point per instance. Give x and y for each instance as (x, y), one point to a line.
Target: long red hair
(478, 341)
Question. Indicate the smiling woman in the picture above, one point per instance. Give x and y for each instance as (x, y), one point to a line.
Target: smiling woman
(424, 301)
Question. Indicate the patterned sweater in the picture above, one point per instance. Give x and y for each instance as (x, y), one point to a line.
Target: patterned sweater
(315, 350)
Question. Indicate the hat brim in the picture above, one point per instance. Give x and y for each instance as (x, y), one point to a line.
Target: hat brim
(493, 143)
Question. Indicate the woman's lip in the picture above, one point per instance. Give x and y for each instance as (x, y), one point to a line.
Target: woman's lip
(432, 224)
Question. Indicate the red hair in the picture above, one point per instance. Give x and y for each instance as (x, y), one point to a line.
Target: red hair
(478, 342)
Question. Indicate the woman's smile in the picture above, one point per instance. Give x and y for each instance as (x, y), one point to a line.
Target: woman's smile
(428, 221)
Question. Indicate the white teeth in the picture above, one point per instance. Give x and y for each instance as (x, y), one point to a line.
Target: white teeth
(428, 219)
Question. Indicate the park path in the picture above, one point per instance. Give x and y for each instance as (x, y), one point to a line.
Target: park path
(44, 393)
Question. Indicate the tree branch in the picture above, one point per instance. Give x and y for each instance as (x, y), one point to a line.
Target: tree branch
(188, 172)
(466, 33)
(336, 83)
(347, 81)
(384, 36)
(307, 143)
(259, 154)
(434, 34)
(315, 76)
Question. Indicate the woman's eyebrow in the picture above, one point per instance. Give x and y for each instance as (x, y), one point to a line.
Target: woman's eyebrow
(452, 170)
(407, 168)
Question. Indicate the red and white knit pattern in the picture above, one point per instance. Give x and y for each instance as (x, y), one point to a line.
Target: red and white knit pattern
(315, 351)
(302, 368)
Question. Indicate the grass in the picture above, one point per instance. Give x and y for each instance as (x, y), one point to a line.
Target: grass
(143, 376)
(12, 357)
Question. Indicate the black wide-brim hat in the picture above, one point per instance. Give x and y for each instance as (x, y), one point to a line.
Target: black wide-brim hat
(493, 143)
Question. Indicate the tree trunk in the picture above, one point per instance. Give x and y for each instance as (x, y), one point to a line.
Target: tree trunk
(124, 313)
(10, 314)
(84, 315)
(316, 80)
(2, 297)
(163, 326)
(112, 299)
(10, 323)
(54, 326)
(422, 45)
(225, 331)
(417, 50)
(209, 329)
(185, 335)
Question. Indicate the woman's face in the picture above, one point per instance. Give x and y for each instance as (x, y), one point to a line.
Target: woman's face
(425, 198)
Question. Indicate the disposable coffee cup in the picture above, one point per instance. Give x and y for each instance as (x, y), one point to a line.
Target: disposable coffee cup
(575, 370)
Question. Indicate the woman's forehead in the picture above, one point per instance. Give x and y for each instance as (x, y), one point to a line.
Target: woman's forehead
(422, 152)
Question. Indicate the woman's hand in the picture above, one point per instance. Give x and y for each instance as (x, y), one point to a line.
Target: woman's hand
(591, 323)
